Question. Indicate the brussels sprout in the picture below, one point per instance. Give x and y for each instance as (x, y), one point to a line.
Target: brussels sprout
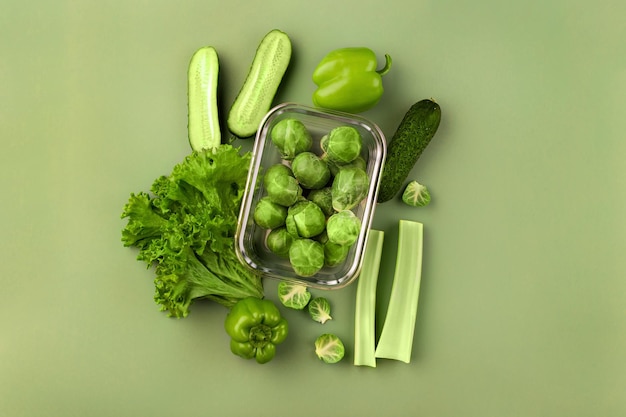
(319, 309)
(268, 214)
(349, 188)
(344, 144)
(322, 237)
(333, 166)
(334, 253)
(310, 170)
(329, 348)
(274, 171)
(306, 257)
(323, 197)
(279, 241)
(416, 194)
(343, 228)
(295, 296)
(283, 189)
(305, 219)
(359, 162)
(291, 137)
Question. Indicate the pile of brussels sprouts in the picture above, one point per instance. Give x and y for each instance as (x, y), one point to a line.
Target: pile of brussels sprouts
(308, 199)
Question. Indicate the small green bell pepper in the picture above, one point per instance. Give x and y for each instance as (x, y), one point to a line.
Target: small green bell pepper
(347, 80)
(255, 327)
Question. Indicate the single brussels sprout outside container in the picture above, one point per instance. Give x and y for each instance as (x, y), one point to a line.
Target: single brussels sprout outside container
(292, 295)
(329, 348)
(416, 194)
(263, 248)
(319, 309)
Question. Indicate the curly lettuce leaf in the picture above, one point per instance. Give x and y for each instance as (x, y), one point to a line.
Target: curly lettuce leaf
(185, 228)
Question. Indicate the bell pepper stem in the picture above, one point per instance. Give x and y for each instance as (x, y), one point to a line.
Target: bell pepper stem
(384, 70)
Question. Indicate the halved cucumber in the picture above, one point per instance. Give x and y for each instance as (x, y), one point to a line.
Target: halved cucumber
(202, 76)
(257, 93)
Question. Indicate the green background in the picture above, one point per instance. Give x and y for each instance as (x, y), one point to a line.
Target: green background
(522, 306)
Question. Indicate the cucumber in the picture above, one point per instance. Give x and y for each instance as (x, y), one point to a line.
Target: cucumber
(414, 133)
(257, 93)
(203, 122)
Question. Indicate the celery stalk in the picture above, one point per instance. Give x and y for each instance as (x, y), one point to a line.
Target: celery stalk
(365, 312)
(396, 338)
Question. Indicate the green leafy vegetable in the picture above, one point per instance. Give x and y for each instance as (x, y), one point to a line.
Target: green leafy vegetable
(305, 219)
(279, 241)
(323, 197)
(343, 227)
(291, 137)
(319, 309)
(343, 144)
(349, 188)
(281, 186)
(365, 310)
(268, 214)
(329, 348)
(295, 296)
(334, 253)
(185, 228)
(275, 171)
(396, 338)
(306, 257)
(416, 194)
(311, 171)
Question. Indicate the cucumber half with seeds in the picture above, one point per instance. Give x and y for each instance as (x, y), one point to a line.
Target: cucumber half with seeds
(257, 93)
(203, 122)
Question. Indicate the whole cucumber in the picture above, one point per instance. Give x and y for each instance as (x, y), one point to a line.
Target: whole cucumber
(414, 133)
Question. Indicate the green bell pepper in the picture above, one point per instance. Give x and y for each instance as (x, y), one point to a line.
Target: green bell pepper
(255, 327)
(347, 80)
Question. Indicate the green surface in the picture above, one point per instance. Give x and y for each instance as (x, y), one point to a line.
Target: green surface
(522, 300)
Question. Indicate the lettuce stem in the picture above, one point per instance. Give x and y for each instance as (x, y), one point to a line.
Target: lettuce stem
(396, 339)
(365, 312)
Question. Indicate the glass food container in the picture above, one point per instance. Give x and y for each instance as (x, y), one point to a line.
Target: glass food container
(251, 246)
